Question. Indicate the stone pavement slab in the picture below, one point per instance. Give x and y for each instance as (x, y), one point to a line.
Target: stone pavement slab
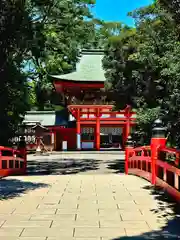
(84, 207)
(26, 224)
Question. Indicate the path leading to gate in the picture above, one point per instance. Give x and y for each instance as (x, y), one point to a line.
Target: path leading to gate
(78, 163)
(81, 201)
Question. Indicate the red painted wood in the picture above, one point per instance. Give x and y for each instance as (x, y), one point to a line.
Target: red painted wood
(138, 160)
(127, 127)
(66, 134)
(74, 86)
(56, 128)
(168, 150)
(109, 119)
(102, 111)
(168, 167)
(78, 110)
(103, 108)
(156, 143)
(128, 150)
(127, 114)
(106, 123)
(15, 156)
(78, 129)
(140, 173)
(85, 106)
(98, 139)
(172, 151)
(172, 191)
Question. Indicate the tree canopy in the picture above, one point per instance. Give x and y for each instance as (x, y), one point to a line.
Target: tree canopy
(15, 36)
(173, 6)
(39, 38)
(60, 29)
(142, 66)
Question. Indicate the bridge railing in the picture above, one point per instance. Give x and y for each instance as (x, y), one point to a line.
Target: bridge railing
(156, 163)
(139, 162)
(12, 162)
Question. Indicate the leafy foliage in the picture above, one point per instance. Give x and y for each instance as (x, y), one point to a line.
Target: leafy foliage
(37, 38)
(60, 30)
(172, 6)
(142, 65)
(102, 32)
(14, 37)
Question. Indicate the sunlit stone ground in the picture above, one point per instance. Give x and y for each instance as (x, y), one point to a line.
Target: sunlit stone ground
(83, 196)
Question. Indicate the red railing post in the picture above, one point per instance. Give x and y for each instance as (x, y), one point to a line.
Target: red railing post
(23, 152)
(129, 147)
(25, 160)
(0, 159)
(158, 140)
(177, 159)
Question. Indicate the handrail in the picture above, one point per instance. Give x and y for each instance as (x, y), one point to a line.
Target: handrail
(12, 162)
(171, 150)
(142, 148)
(167, 173)
(165, 151)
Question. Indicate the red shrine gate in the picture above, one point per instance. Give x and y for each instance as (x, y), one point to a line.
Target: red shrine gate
(83, 92)
(92, 118)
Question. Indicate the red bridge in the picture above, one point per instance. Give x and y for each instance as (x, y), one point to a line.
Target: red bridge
(86, 195)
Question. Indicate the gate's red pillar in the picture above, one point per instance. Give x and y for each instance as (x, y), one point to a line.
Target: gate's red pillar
(78, 131)
(98, 131)
(124, 136)
(127, 129)
(127, 125)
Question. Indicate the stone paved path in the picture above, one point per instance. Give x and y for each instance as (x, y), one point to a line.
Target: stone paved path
(85, 206)
(78, 162)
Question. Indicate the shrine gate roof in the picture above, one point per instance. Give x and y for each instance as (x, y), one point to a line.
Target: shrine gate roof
(89, 68)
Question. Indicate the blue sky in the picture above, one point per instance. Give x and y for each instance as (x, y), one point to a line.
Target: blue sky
(116, 10)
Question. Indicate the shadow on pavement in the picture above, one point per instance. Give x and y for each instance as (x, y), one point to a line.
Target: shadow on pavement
(167, 209)
(87, 152)
(62, 166)
(118, 165)
(171, 232)
(10, 188)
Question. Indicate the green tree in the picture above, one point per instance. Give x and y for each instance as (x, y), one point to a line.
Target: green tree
(60, 29)
(143, 68)
(173, 6)
(102, 32)
(120, 67)
(15, 34)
